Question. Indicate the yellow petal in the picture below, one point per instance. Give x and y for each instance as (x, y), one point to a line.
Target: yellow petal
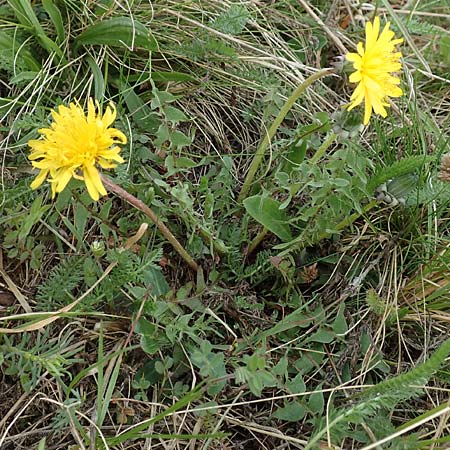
(53, 186)
(93, 182)
(109, 116)
(62, 179)
(367, 110)
(91, 111)
(394, 91)
(114, 133)
(360, 49)
(372, 31)
(358, 95)
(39, 179)
(352, 57)
(378, 107)
(113, 154)
(355, 77)
(104, 164)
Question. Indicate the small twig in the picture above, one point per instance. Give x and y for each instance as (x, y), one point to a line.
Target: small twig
(132, 200)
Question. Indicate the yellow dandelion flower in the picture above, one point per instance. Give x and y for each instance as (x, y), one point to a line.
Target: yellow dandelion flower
(73, 146)
(373, 66)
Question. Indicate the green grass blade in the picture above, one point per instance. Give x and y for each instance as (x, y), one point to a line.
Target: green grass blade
(85, 372)
(109, 391)
(100, 375)
(134, 431)
(99, 81)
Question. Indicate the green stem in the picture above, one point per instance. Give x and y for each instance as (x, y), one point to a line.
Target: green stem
(208, 238)
(322, 149)
(317, 437)
(256, 241)
(340, 226)
(261, 150)
(350, 219)
(132, 200)
(320, 152)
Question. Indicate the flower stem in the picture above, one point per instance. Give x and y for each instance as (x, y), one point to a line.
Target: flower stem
(260, 152)
(301, 242)
(313, 161)
(322, 149)
(256, 241)
(132, 200)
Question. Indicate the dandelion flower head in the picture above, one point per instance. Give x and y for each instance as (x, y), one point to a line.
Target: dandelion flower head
(374, 65)
(74, 145)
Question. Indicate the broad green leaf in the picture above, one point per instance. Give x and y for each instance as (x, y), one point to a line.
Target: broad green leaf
(340, 324)
(23, 76)
(267, 212)
(160, 98)
(310, 360)
(81, 215)
(144, 118)
(35, 213)
(147, 375)
(281, 368)
(255, 385)
(298, 318)
(154, 277)
(322, 336)
(179, 139)
(151, 344)
(90, 269)
(259, 380)
(174, 114)
(171, 76)
(162, 135)
(291, 412)
(316, 402)
(296, 155)
(118, 32)
(255, 362)
(174, 164)
(444, 47)
(145, 327)
(210, 365)
(55, 15)
(296, 385)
